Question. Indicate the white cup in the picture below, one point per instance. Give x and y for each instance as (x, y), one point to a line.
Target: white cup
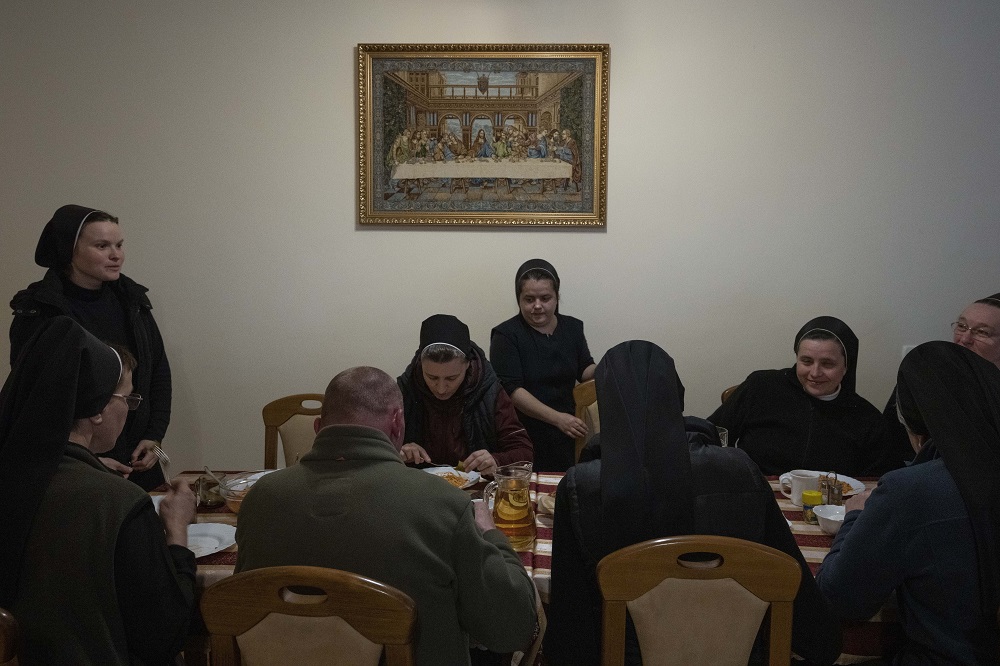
(796, 481)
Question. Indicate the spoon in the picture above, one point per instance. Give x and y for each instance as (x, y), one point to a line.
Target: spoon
(212, 474)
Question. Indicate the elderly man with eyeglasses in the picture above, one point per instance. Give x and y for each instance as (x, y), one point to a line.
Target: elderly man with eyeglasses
(978, 328)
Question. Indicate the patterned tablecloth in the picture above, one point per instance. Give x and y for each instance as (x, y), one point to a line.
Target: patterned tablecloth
(862, 640)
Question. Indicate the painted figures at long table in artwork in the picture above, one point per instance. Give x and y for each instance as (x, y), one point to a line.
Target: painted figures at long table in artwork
(543, 160)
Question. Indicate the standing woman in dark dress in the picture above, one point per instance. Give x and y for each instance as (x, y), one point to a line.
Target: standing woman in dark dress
(540, 355)
(83, 250)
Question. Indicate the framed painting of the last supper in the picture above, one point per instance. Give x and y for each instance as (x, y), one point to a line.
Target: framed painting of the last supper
(483, 134)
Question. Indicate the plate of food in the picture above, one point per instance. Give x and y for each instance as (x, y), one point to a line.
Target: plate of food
(455, 477)
(848, 485)
(207, 538)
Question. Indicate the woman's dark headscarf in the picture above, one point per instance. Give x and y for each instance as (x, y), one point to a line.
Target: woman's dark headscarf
(952, 396)
(646, 465)
(846, 337)
(536, 266)
(55, 245)
(63, 374)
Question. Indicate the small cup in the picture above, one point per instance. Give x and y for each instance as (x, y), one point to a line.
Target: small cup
(207, 490)
(797, 481)
(723, 435)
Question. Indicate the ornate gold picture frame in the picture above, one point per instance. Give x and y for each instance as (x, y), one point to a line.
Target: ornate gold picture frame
(483, 134)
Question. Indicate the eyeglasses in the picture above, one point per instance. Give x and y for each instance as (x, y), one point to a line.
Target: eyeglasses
(961, 328)
(132, 400)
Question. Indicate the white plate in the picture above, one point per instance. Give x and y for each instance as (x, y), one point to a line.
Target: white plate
(471, 478)
(856, 486)
(207, 538)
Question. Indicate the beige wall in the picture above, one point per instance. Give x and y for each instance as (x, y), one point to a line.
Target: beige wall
(769, 162)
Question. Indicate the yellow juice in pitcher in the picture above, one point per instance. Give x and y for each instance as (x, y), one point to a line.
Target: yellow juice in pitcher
(513, 514)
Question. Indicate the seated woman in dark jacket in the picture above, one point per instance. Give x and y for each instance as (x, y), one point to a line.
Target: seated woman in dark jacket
(650, 482)
(454, 406)
(809, 416)
(930, 531)
(87, 567)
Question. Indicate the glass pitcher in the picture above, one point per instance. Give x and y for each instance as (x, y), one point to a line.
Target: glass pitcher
(510, 496)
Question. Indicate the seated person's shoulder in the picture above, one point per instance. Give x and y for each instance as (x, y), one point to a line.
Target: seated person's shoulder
(721, 469)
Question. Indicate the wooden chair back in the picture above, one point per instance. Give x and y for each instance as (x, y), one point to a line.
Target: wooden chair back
(10, 638)
(627, 574)
(584, 395)
(238, 606)
(296, 438)
(728, 392)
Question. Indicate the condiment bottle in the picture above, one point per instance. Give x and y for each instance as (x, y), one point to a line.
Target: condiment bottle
(810, 500)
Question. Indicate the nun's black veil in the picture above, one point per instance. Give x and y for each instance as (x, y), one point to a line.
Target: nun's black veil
(646, 466)
(63, 374)
(951, 395)
(847, 339)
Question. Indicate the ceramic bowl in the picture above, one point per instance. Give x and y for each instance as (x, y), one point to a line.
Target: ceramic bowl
(830, 517)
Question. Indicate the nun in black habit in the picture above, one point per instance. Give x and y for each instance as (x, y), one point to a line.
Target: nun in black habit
(654, 479)
(930, 531)
(803, 417)
(83, 250)
(85, 564)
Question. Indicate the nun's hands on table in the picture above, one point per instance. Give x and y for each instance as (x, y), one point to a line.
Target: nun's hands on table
(481, 461)
(414, 454)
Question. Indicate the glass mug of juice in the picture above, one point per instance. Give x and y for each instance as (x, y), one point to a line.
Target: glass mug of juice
(510, 496)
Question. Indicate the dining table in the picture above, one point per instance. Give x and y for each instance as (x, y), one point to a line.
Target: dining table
(863, 640)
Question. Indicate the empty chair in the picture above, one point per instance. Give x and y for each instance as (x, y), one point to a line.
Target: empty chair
(308, 615)
(678, 605)
(290, 418)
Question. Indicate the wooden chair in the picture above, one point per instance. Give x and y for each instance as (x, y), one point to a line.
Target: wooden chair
(351, 621)
(705, 610)
(10, 638)
(585, 397)
(728, 392)
(293, 420)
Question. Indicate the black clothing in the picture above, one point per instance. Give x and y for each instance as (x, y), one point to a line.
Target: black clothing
(781, 427)
(122, 595)
(147, 569)
(733, 499)
(651, 482)
(151, 378)
(65, 374)
(952, 395)
(547, 367)
(55, 245)
(445, 329)
(896, 442)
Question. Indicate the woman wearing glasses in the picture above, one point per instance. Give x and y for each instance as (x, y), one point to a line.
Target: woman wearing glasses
(90, 571)
(809, 416)
(83, 250)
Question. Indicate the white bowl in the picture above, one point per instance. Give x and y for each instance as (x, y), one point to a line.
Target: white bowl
(830, 517)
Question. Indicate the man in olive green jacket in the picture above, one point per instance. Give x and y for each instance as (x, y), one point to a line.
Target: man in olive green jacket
(351, 504)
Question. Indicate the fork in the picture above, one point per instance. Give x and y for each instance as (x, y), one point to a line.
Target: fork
(162, 456)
